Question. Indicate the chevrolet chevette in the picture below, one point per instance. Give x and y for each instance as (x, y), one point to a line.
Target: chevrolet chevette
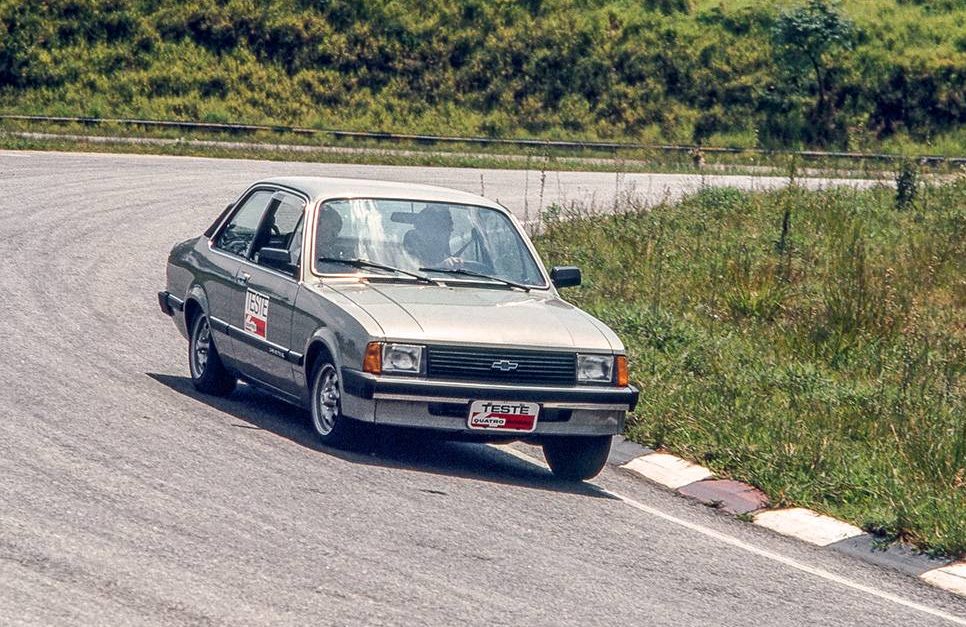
(378, 303)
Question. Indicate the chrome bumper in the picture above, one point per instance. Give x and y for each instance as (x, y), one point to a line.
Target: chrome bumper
(444, 405)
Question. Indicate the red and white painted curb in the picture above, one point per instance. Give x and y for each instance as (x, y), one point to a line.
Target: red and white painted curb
(735, 497)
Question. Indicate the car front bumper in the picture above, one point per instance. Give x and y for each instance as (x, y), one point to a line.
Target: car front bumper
(444, 405)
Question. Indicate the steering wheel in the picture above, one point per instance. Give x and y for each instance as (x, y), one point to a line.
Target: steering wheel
(486, 264)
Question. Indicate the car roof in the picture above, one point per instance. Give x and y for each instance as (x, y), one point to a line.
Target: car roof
(320, 188)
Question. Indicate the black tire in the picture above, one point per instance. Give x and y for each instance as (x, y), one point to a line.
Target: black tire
(577, 458)
(325, 408)
(208, 373)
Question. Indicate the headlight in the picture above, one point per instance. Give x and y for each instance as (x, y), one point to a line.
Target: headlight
(402, 358)
(595, 368)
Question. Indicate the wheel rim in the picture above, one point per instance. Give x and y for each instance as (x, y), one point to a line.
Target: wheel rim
(326, 408)
(201, 347)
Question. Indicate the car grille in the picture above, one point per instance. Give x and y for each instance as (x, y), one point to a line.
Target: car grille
(501, 366)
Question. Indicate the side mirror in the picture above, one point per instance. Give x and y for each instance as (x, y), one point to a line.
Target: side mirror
(277, 258)
(565, 276)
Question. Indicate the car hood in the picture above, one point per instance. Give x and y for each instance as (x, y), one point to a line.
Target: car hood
(478, 315)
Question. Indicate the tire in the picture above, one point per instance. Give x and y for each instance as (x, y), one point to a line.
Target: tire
(325, 410)
(577, 458)
(208, 373)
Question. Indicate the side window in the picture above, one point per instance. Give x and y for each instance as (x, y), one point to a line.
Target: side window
(239, 233)
(280, 231)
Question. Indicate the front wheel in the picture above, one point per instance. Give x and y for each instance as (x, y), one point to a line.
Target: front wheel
(577, 458)
(332, 427)
(208, 373)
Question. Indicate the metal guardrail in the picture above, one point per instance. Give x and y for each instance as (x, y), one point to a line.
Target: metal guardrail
(525, 143)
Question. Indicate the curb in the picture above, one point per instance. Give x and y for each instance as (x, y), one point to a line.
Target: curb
(741, 499)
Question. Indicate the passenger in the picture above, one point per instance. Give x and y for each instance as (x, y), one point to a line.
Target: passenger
(429, 239)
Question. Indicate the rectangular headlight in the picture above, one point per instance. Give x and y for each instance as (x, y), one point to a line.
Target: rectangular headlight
(402, 358)
(595, 368)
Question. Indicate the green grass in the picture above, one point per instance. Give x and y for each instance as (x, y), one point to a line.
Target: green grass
(825, 366)
(657, 71)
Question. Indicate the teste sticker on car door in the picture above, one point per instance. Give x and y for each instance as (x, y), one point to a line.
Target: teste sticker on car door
(256, 313)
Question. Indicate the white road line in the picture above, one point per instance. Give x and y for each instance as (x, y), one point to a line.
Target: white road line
(807, 525)
(787, 561)
(509, 450)
(775, 557)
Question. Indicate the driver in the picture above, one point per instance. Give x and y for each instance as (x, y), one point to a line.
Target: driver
(429, 239)
(327, 233)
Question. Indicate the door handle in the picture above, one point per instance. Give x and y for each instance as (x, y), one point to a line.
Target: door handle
(242, 279)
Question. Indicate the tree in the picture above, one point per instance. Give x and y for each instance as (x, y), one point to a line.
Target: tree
(807, 38)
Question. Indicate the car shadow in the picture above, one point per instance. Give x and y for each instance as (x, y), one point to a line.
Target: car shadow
(383, 446)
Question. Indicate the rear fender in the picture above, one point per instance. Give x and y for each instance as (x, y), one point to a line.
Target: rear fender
(195, 294)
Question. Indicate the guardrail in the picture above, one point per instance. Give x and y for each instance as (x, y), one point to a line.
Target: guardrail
(522, 143)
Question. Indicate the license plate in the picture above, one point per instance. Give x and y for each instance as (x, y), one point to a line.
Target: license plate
(503, 416)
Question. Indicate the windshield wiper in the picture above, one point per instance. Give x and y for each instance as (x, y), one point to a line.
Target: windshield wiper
(480, 275)
(359, 262)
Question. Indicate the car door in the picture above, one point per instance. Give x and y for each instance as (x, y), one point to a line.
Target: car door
(229, 247)
(266, 290)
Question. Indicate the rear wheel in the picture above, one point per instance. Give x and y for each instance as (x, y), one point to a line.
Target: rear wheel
(577, 458)
(208, 373)
(332, 427)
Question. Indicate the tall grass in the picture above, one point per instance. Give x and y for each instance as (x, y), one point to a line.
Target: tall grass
(812, 343)
(660, 71)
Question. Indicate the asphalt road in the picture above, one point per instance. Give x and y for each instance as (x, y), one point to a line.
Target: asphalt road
(127, 498)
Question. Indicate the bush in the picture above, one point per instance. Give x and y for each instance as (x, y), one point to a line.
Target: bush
(907, 184)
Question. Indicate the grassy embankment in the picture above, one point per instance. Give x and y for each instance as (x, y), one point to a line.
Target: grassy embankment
(655, 71)
(823, 361)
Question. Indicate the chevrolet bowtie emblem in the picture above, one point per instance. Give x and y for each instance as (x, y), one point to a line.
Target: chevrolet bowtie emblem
(505, 365)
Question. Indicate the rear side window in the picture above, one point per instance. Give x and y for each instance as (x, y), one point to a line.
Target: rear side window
(237, 236)
(221, 218)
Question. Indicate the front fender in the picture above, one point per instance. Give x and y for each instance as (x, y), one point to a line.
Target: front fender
(325, 339)
(322, 339)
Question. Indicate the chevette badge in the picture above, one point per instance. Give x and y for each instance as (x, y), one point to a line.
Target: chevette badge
(505, 365)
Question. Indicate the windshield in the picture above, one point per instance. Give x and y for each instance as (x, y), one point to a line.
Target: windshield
(420, 236)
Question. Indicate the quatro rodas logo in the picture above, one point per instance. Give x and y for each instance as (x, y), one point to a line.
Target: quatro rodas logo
(256, 313)
(503, 416)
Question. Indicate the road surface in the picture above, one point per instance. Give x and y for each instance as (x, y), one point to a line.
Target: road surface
(125, 497)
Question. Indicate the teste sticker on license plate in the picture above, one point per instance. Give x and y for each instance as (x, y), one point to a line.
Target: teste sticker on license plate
(503, 416)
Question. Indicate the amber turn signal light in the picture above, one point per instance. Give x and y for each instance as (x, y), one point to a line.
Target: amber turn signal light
(372, 362)
(622, 377)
